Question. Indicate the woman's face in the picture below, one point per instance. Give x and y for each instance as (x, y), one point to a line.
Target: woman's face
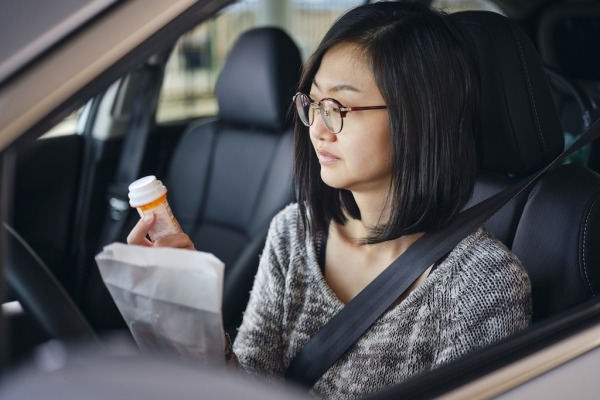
(359, 157)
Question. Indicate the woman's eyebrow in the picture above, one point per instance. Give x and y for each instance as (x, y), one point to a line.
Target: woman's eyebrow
(339, 87)
(344, 86)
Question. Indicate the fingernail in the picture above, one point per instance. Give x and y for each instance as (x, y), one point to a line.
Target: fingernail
(148, 218)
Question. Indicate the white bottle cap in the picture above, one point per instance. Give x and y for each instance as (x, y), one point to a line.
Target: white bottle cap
(145, 190)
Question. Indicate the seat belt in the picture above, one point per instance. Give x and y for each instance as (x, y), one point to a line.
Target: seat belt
(340, 332)
(132, 153)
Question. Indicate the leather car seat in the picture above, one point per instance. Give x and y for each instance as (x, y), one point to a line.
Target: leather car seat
(552, 228)
(229, 176)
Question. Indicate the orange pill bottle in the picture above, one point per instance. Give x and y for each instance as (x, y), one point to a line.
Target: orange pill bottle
(149, 196)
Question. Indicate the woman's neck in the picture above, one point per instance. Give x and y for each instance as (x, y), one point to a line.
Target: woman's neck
(374, 211)
(355, 231)
(350, 265)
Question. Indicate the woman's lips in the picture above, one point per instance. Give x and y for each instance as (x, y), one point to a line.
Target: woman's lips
(326, 157)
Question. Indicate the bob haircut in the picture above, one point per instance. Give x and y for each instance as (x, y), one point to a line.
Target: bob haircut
(428, 76)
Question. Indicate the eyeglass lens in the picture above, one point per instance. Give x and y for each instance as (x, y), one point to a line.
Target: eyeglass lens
(304, 109)
(328, 109)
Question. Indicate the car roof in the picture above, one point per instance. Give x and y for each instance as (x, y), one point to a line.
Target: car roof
(44, 29)
(83, 57)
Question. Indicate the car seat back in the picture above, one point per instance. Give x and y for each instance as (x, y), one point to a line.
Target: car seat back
(228, 177)
(551, 227)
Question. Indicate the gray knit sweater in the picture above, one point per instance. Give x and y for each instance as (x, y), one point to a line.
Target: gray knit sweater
(479, 294)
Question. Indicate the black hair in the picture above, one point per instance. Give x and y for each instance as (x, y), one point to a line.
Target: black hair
(426, 70)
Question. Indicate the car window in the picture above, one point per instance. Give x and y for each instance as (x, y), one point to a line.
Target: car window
(198, 56)
(465, 5)
(194, 65)
(68, 126)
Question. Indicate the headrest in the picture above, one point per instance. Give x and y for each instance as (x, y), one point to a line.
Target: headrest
(260, 75)
(521, 129)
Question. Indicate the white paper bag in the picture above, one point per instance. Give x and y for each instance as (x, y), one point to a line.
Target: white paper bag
(170, 298)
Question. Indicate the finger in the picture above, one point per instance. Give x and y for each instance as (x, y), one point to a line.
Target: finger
(176, 222)
(138, 234)
(177, 240)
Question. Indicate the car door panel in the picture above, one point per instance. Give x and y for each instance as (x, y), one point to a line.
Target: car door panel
(46, 187)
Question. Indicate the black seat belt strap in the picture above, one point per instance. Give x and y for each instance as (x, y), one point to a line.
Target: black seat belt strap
(132, 152)
(338, 334)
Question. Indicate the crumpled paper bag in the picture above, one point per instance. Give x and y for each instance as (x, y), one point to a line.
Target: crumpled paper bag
(170, 298)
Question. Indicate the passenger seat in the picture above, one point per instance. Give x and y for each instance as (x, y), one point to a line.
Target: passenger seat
(228, 177)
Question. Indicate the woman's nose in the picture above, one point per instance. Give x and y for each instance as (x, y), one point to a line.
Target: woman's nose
(319, 130)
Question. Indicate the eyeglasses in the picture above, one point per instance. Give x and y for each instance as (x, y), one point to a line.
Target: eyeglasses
(331, 110)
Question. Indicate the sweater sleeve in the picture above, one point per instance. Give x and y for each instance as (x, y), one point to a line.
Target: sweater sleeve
(489, 301)
(259, 345)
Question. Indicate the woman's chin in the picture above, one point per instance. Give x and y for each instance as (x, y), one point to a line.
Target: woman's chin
(333, 181)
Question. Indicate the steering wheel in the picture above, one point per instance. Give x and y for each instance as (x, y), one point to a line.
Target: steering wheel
(41, 295)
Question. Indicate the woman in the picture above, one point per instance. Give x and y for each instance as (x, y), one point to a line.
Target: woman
(385, 151)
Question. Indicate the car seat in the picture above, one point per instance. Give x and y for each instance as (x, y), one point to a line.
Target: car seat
(228, 177)
(553, 226)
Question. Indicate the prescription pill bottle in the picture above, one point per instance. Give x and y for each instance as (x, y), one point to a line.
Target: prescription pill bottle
(148, 195)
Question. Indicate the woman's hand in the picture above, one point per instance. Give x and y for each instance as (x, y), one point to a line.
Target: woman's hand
(139, 236)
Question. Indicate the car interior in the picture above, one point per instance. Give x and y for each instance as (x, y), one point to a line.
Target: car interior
(227, 212)
(228, 174)
(226, 207)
